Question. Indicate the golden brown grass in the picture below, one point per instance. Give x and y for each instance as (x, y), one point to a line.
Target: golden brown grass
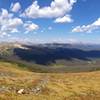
(54, 86)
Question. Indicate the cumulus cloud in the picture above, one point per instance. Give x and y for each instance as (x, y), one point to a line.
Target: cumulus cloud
(88, 28)
(57, 8)
(6, 22)
(15, 7)
(31, 27)
(4, 13)
(14, 30)
(11, 24)
(64, 19)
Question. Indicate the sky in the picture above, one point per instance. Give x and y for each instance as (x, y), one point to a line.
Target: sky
(49, 21)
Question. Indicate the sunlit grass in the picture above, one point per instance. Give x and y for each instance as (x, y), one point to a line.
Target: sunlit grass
(58, 86)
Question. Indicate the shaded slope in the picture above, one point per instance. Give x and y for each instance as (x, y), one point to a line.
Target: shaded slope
(44, 55)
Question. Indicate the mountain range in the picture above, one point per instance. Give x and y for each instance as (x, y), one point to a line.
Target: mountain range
(52, 56)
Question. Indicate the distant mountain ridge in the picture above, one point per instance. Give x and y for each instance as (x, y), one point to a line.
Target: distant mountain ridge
(44, 53)
(47, 56)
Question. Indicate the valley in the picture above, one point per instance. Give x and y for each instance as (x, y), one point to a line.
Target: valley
(49, 72)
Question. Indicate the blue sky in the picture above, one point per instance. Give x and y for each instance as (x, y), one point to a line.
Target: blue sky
(43, 21)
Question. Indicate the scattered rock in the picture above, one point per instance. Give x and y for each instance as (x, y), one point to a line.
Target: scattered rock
(21, 91)
(36, 90)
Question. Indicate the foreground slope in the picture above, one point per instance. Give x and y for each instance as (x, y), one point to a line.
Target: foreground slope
(47, 86)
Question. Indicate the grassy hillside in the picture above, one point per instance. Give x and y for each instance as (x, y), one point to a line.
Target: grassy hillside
(45, 73)
(47, 86)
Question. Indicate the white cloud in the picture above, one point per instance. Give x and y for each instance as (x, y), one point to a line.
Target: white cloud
(57, 8)
(14, 22)
(97, 22)
(15, 7)
(3, 33)
(14, 30)
(4, 13)
(64, 19)
(9, 23)
(88, 28)
(31, 27)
